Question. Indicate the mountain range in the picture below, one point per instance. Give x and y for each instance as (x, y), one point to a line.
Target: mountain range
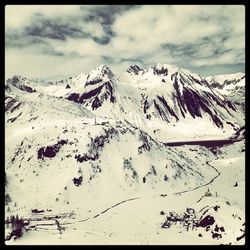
(79, 143)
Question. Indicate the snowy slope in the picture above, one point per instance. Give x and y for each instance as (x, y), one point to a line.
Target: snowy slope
(90, 150)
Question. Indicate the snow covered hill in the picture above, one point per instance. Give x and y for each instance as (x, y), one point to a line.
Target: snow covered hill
(89, 143)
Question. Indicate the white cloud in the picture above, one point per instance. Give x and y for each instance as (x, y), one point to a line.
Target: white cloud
(235, 42)
(37, 65)
(215, 35)
(82, 47)
(18, 16)
(223, 59)
(151, 26)
(163, 24)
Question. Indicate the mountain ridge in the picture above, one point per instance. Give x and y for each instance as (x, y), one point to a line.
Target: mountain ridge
(163, 93)
(76, 151)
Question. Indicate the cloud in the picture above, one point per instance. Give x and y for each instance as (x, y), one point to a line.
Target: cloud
(159, 24)
(18, 16)
(81, 47)
(38, 65)
(192, 36)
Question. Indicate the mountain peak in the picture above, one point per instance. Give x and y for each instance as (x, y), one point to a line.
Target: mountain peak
(104, 69)
(100, 74)
(103, 66)
(134, 69)
(20, 82)
(160, 69)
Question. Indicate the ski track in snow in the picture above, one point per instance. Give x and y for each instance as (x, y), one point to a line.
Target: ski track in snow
(109, 208)
(136, 198)
(204, 185)
(147, 237)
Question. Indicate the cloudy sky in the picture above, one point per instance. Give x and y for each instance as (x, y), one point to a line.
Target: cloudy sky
(52, 42)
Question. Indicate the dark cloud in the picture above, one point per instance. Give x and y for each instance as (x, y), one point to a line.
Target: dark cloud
(21, 40)
(207, 47)
(55, 29)
(60, 29)
(180, 50)
(102, 40)
(105, 14)
(220, 51)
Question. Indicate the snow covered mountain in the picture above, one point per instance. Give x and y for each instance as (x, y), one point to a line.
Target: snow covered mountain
(97, 140)
(153, 98)
(98, 88)
(232, 86)
(174, 95)
(160, 95)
